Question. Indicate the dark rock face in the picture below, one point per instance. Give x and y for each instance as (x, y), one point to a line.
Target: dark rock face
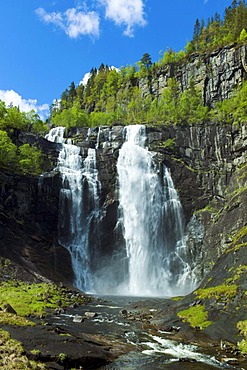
(28, 222)
(215, 74)
(202, 160)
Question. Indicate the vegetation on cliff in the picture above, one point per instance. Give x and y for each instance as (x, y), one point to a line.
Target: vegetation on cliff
(22, 158)
(114, 96)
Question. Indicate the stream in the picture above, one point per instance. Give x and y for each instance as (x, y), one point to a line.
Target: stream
(110, 316)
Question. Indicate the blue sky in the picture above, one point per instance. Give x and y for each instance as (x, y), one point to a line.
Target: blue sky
(47, 44)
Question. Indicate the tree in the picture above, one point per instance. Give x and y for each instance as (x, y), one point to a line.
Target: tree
(190, 106)
(13, 118)
(72, 92)
(197, 30)
(30, 159)
(7, 150)
(146, 61)
(243, 36)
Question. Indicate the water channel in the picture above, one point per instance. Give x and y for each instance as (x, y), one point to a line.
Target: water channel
(121, 320)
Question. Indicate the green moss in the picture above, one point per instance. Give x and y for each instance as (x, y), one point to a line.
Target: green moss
(218, 292)
(196, 316)
(177, 298)
(243, 346)
(237, 192)
(34, 299)
(236, 247)
(11, 355)
(240, 235)
(62, 357)
(242, 327)
(188, 167)
(35, 352)
(209, 208)
(237, 274)
(168, 144)
(11, 319)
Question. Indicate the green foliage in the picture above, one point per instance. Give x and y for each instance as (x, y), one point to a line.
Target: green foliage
(25, 159)
(8, 150)
(243, 36)
(219, 32)
(234, 109)
(113, 96)
(30, 159)
(71, 117)
(146, 60)
(190, 107)
(101, 119)
(169, 143)
(196, 316)
(13, 118)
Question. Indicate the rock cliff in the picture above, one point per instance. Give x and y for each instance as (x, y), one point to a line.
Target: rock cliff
(29, 216)
(204, 162)
(216, 74)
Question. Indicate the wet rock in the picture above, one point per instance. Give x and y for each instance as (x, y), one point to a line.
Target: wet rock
(187, 359)
(78, 318)
(124, 313)
(90, 315)
(230, 361)
(8, 308)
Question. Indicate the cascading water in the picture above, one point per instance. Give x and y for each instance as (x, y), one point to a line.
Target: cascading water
(151, 258)
(152, 224)
(78, 205)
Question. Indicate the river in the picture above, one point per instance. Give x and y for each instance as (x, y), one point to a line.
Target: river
(125, 321)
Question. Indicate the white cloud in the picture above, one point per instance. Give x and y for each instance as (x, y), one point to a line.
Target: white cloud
(79, 23)
(85, 79)
(54, 17)
(25, 105)
(125, 12)
(88, 75)
(73, 22)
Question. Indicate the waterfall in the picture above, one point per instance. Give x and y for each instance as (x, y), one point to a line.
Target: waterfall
(152, 223)
(78, 205)
(150, 257)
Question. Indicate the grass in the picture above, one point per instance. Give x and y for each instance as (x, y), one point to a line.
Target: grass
(34, 299)
(196, 316)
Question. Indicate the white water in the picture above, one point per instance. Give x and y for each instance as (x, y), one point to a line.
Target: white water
(151, 258)
(178, 351)
(151, 219)
(78, 205)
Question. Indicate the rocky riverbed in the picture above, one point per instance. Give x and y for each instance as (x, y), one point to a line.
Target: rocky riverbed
(112, 333)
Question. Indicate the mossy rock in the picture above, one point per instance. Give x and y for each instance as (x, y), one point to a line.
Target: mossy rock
(196, 316)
